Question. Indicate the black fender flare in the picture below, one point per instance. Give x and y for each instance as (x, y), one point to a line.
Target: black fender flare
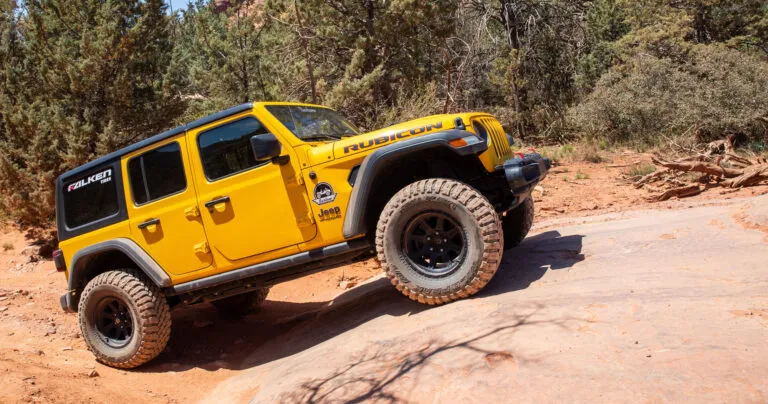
(376, 162)
(144, 262)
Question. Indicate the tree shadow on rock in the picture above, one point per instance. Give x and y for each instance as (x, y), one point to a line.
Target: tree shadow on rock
(387, 374)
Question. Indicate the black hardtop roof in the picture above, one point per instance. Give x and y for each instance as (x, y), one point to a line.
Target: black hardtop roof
(154, 139)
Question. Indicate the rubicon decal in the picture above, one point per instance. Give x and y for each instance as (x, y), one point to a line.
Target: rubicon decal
(324, 193)
(100, 178)
(398, 135)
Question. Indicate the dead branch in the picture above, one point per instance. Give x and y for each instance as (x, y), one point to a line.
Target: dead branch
(737, 160)
(682, 192)
(651, 177)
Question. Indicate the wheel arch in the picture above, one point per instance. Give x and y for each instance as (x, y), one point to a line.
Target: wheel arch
(390, 168)
(96, 259)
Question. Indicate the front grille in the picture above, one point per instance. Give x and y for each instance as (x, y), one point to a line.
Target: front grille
(498, 139)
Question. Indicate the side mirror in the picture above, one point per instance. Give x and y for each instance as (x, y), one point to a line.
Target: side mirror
(265, 147)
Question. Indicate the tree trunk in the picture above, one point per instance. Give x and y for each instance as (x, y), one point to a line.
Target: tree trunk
(307, 56)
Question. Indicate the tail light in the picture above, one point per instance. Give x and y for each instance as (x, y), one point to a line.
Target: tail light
(58, 260)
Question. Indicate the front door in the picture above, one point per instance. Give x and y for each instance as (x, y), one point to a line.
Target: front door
(162, 206)
(249, 207)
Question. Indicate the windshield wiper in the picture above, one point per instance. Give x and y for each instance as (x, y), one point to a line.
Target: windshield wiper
(320, 136)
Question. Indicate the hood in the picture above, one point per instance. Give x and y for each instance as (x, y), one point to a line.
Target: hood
(366, 142)
(392, 134)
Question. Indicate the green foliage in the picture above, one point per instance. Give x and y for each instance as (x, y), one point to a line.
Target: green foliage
(82, 78)
(7, 246)
(638, 171)
(218, 60)
(581, 176)
(716, 91)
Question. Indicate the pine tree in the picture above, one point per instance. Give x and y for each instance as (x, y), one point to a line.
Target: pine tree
(219, 50)
(92, 81)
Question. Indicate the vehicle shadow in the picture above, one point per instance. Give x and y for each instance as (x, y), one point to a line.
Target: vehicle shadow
(528, 262)
(202, 338)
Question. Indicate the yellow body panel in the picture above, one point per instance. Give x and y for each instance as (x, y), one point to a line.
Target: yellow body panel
(171, 241)
(270, 213)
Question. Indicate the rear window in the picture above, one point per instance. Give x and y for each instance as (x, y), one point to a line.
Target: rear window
(90, 198)
(157, 174)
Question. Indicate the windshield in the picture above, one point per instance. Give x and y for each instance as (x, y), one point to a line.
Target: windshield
(313, 124)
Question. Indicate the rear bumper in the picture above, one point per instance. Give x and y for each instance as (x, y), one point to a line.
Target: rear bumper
(67, 302)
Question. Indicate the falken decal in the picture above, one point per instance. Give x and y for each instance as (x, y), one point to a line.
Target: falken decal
(399, 135)
(324, 193)
(101, 178)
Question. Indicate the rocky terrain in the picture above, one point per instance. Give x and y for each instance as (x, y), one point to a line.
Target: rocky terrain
(565, 276)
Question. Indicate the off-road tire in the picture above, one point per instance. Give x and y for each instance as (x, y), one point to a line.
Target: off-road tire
(151, 317)
(474, 215)
(242, 304)
(517, 223)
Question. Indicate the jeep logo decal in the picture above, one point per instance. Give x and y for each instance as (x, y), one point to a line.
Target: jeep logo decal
(399, 135)
(324, 193)
(102, 177)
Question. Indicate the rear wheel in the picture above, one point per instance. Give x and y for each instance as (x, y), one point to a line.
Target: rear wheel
(124, 318)
(517, 223)
(242, 304)
(439, 240)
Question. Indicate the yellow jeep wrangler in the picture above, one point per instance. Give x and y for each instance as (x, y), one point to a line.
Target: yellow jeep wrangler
(222, 208)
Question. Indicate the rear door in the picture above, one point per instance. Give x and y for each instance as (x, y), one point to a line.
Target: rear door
(162, 207)
(249, 207)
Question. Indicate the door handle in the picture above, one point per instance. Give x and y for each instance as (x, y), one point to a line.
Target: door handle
(148, 223)
(212, 203)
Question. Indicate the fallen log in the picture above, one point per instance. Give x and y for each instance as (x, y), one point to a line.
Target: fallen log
(682, 192)
(751, 176)
(700, 167)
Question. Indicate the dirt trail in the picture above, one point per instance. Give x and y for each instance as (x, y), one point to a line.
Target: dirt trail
(44, 359)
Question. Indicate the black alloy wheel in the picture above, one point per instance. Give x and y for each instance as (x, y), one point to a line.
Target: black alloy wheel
(434, 243)
(114, 322)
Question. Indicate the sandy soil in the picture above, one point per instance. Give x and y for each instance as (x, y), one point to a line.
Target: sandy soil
(44, 359)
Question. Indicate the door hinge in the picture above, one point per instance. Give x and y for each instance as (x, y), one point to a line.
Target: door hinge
(201, 248)
(307, 220)
(192, 212)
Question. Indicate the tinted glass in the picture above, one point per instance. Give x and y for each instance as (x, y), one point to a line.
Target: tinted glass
(157, 174)
(226, 150)
(90, 198)
(313, 124)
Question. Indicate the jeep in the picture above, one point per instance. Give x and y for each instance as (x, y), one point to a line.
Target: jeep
(220, 209)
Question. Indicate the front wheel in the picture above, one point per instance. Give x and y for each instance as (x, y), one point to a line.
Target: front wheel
(439, 240)
(124, 318)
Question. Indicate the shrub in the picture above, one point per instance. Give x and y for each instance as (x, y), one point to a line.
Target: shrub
(7, 246)
(641, 170)
(716, 91)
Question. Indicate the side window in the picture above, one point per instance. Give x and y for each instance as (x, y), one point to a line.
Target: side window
(157, 174)
(90, 198)
(226, 150)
